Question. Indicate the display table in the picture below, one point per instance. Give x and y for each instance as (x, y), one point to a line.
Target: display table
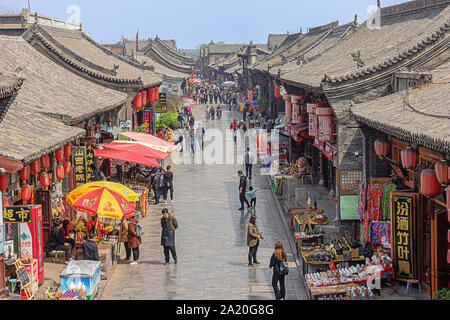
(326, 290)
(86, 272)
(307, 265)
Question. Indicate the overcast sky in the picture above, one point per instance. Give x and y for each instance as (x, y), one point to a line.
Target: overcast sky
(193, 22)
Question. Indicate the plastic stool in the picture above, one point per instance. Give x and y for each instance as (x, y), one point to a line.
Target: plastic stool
(410, 282)
(12, 285)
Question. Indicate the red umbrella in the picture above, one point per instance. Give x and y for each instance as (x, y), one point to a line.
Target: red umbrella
(139, 149)
(127, 157)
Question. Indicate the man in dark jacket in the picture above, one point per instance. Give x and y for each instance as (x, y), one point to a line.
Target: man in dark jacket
(90, 250)
(168, 224)
(168, 177)
(242, 190)
(156, 185)
(58, 242)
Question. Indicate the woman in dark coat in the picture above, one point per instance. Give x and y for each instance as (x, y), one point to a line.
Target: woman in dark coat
(278, 256)
(133, 240)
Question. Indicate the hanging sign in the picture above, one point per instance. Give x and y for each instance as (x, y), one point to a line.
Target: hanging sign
(17, 214)
(349, 207)
(402, 222)
(79, 165)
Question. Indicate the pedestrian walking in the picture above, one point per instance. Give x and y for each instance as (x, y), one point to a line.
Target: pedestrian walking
(234, 128)
(168, 224)
(249, 164)
(200, 135)
(192, 122)
(192, 142)
(279, 273)
(242, 190)
(134, 240)
(168, 177)
(212, 112)
(164, 188)
(123, 237)
(253, 236)
(156, 185)
(252, 195)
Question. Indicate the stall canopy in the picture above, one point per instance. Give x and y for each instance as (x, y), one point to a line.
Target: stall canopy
(153, 141)
(140, 148)
(126, 156)
(296, 129)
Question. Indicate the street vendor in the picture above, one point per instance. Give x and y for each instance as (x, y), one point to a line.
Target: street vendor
(304, 168)
(94, 227)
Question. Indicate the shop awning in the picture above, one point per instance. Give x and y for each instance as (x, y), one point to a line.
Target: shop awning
(155, 142)
(10, 165)
(296, 129)
(140, 148)
(126, 156)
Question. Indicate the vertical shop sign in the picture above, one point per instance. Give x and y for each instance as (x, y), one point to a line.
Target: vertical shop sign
(403, 222)
(79, 165)
(2, 233)
(89, 163)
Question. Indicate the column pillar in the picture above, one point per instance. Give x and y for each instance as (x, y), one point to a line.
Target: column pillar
(288, 107)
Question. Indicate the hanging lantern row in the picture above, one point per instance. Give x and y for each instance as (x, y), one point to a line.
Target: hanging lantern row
(60, 173)
(59, 155)
(45, 162)
(45, 180)
(36, 167)
(381, 148)
(67, 167)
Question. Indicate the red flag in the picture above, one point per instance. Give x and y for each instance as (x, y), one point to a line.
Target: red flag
(192, 74)
(137, 38)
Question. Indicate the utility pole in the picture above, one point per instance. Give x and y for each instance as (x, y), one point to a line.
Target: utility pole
(29, 7)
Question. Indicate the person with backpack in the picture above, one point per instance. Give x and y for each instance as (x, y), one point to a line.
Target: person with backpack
(168, 224)
(134, 238)
(278, 263)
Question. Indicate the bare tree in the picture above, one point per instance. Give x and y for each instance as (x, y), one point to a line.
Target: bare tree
(8, 10)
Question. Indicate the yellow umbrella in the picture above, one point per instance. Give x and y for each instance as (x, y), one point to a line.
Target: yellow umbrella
(104, 202)
(122, 190)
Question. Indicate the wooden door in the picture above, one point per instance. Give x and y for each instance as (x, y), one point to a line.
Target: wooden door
(2, 276)
(439, 272)
(44, 199)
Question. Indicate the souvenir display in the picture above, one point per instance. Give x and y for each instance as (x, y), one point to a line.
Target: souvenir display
(359, 293)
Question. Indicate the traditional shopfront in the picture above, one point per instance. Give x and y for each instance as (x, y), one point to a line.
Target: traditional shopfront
(414, 211)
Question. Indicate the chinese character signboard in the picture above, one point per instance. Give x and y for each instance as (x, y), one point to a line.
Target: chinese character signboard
(403, 235)
(79, 165)
(161, 106)
(89, 163)
(17, 214)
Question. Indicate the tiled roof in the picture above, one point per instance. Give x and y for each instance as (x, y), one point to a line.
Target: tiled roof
(163, 70)
(51, 89)
(78, 50)
(26, 135)
(402, 35)
(9, 84)
(161, 53)
(420, 116)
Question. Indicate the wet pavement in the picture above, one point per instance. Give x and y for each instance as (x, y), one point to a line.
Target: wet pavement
(211, 241)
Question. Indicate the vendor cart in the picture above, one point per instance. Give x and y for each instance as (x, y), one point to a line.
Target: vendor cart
(82, 271)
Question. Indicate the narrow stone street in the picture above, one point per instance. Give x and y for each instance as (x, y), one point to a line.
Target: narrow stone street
(211, 241)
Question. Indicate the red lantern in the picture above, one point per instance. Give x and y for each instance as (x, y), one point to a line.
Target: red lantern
(68, 151)
(36, 167)
(429, 184)
(59, 155)
(4, 182)
(60, 173)
(144, 98)
(381, 148)
(150, 95)
(45, 162)
(25, 173)
(277, 92)
(137, 102)
(26, 192)
(441, 168)
(45, 180)
(409, 158)
(67, 167)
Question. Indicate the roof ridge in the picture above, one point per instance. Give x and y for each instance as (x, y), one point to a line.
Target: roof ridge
(13, 97)
(171, 64)
(68, 60)
(426, 41)
(182, 56)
